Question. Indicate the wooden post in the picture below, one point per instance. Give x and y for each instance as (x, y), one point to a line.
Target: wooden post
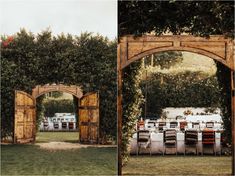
(119, 110)
(233, 120)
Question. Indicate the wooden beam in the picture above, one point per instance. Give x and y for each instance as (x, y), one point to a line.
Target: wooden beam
(40, 90)
(233, 120)
(216, 47)
(119, 110)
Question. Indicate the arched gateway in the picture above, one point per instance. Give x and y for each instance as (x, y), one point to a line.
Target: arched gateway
(25, 113)
(132, 48)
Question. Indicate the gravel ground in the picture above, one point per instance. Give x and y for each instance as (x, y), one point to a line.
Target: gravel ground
(67, 145)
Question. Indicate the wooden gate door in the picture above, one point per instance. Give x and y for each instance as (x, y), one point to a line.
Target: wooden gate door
(89, 118)
(25, 118)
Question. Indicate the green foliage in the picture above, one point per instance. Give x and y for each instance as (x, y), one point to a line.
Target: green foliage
(75, 105)
(53, 106)
(187, 89)
(40, 110)
(194, 17)
(224, 79)
(87, 60)
(132, 100)
(55, 94)
(164, 59)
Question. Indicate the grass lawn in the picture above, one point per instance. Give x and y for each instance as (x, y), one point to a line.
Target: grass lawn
(31, 160)
(57, 136)
(178, 165)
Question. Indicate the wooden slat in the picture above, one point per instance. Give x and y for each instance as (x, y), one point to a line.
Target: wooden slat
(25, 118)
(72, 89)
(119, 103)
(216, 47)
(89, 118)
(233, 120)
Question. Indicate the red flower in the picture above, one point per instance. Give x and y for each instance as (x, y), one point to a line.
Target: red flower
(7, 41)
(10, 38)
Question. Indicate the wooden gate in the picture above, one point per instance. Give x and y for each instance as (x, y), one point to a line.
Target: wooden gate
(89, 118)
(25, 118)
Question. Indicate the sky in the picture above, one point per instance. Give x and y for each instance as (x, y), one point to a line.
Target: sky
(67, 16)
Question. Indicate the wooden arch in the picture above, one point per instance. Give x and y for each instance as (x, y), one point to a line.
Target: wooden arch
(25, 113)
(40, 90)
(132, 48)
(216, 47)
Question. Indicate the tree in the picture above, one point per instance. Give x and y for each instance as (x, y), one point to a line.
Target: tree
(201, 18)
(53, 106)
(224, 78)
(164, 59)
(184, 89)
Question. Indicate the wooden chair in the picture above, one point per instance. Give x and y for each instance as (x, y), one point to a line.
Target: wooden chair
(161, 125)
(71, 125)
(170, 139)
(143, 141)
(173, 124)
(64, 125)
(191, 139)
(209, 124)
(196, 125)
(56, 125)
(183, 125)
(208, 139)
(45, 125)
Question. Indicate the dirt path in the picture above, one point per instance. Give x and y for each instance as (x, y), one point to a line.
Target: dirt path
(67, 145)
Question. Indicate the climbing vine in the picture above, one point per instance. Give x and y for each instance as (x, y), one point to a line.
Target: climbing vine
(224, 78)
(132, 100)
